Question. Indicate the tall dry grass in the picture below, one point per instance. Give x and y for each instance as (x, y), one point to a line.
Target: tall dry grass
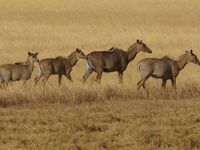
(93, 116)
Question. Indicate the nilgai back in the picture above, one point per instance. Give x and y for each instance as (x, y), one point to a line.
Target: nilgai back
(18, 72)
(113, 60)
(58, 66)
(164, 68)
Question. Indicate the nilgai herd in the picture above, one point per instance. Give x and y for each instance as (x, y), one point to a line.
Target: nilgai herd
(112, 60)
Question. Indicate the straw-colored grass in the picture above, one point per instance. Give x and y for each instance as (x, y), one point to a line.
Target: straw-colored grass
(80, 116)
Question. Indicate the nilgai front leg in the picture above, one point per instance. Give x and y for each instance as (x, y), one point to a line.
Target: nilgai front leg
(164, 81)
(59, 79)
(120, 76)
(173, 80)
(24, 82)
(6, 81)
(99, 75)
(68, 76)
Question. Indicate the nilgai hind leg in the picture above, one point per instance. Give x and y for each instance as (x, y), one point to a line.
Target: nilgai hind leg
(38, 78)
(68, 76)
(141, 83)
(87, 74)
(46, 78)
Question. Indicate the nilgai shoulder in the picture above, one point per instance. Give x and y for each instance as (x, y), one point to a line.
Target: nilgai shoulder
(58, 66)
(164, 68)
(113, 60)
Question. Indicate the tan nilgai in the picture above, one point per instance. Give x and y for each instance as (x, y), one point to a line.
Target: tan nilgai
(58, 66)
(113, 60)
(164, 68)
(18, 72)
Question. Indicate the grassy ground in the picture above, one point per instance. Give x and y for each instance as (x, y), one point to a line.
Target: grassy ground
(92, 116)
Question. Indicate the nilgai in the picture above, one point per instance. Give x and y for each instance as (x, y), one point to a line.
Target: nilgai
(113, 60)
(164, 68)
(58, 66)
(18, 72)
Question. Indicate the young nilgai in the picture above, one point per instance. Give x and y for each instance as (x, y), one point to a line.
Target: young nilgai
(113, 60)
(164, 68)
(18, 72)
(58, 66)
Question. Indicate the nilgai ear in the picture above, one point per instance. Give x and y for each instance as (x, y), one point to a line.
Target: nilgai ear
(78, 50)
(138, 41)
(186, 51)
(29, 53)
(36, 53)
(111, 49)
(191, 51)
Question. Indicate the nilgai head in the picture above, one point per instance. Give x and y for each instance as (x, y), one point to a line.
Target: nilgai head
(142, 47)
(33, 57)
(192, 57)
(80, 54)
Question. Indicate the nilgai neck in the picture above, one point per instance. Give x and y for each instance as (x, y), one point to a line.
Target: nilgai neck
(72, 59)
(30, 65)
(132, 52)
(182, 62)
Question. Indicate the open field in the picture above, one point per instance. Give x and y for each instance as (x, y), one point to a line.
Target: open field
(107, 116)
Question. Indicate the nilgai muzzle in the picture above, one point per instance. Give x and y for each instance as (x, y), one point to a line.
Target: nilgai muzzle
(113, 60)
(164, 68)
(58, 66)
(18, 72)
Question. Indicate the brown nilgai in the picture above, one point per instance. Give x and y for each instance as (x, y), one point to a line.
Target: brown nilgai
(113, 60)
(58, 66)
(18, 72)
(164, 68)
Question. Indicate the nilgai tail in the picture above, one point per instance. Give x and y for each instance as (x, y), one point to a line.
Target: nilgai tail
(113, 60)
(18, 72)
(58, 66)
(164, 68)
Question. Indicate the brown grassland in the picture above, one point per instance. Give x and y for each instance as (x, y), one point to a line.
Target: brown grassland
(107, 116)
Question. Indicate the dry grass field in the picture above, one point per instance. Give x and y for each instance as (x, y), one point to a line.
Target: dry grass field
(107, 116)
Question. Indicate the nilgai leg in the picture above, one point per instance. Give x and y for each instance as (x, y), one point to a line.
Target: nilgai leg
(24, 83)
(87, 74)
(120, 76)
(38, 78)
(141, 83)
(6, 81)
(59, 79)
(46, 78)
(4, 84)
(69, 77)
(174, 83)
(99, 75)
(164, 81)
